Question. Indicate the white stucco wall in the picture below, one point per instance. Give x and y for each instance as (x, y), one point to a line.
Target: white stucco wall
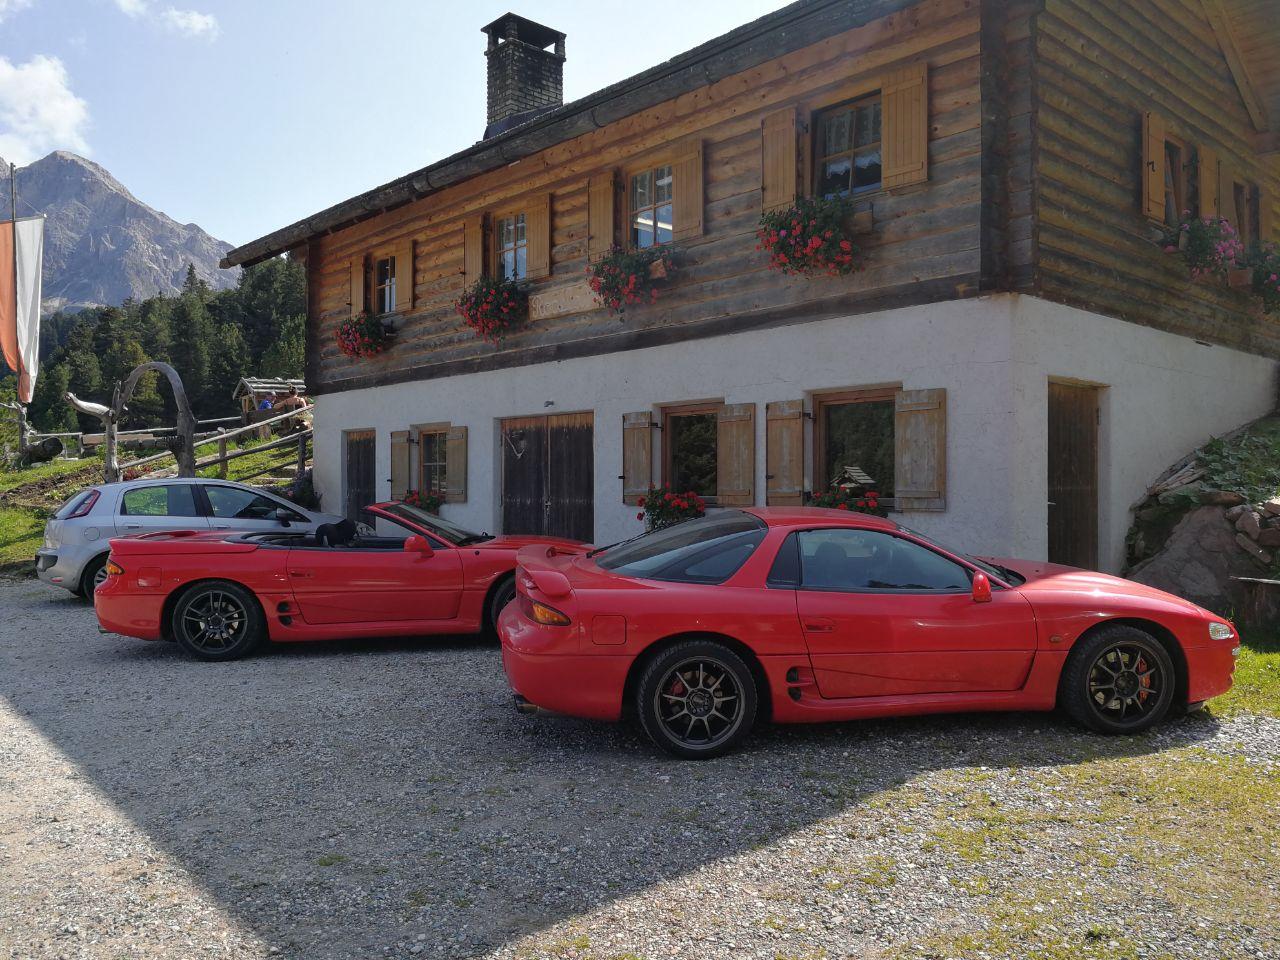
(994, 355)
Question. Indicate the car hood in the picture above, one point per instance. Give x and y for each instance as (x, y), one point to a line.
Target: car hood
(1048, 579)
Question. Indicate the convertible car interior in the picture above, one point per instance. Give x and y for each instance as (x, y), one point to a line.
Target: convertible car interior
(343, 535)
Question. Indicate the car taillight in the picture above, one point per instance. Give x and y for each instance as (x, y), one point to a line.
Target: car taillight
(114, 569)
(549, 616)
(85, 506)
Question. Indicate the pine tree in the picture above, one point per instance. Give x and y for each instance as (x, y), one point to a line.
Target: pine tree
(286, 356)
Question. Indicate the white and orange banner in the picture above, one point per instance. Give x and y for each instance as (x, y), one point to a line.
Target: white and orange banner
(21, 260)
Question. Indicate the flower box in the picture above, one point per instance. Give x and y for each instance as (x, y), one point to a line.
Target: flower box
(1240, 277)
(625, 278)
(814, 237)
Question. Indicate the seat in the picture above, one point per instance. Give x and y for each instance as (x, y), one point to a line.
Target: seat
(340, 534)
(828, 568)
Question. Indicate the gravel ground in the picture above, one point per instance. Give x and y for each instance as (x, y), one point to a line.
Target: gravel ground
(383, 800)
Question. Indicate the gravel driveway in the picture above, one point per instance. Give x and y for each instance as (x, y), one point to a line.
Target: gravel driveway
(383, 799)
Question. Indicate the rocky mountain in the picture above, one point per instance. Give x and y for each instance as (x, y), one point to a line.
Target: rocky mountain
(102, 244)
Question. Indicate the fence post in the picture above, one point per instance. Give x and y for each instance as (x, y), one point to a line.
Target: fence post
(302, 457)
(222, 452)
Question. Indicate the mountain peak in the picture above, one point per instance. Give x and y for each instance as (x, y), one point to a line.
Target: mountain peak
(102, 244)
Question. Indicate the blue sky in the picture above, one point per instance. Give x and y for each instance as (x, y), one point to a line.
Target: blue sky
(246, 115)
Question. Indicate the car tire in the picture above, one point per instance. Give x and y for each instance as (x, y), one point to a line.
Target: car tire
(218, 621)
(685, 686)
(502, 594)
(1119, 679)
(94, 572)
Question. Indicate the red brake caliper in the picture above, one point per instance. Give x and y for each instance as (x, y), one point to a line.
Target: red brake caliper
(1141, 667)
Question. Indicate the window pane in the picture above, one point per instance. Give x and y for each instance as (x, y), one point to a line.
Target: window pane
(504, 232)
(520, 229)
(693, 453)
(642, 190)
(869, 560)
(165, 501)
(860, 435)
(664, 223)
(508, 264)
(662, 184)
(866, 170)
(705, 550)
(231, 503)
(521, 263)
(834, 181)
(642, 229)
(835, 133)
(383, 270)
(867, 125)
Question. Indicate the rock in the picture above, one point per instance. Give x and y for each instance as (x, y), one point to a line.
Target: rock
(1269, 537)
(1250, 524)
(1234, 513)
(1272, 507)
(1255, 551)
(1225, 498)
(1198, 560)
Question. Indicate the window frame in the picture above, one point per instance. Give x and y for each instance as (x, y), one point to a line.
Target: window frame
(815, 155)
(667, 413)
(417, 432)
(374, 289)
(1178, 174)
(834, 398)
(648, 164)
(495, 246)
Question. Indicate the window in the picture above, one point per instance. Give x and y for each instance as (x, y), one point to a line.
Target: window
(689, 441)
(432, 461)
(854, 560)
(384, 285)
(175, 500)
(707, 550)
(854, 437)
(1175, 182)
(847, 149)
(232, 503)
(652, 211)
(512, 247)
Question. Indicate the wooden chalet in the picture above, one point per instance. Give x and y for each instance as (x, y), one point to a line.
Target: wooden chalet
(1016, 359)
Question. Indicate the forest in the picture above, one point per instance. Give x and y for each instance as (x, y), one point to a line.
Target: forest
(211, 339)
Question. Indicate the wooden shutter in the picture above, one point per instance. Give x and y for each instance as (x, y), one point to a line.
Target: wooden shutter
(473, 249)
(686, 171)
(1266, 216)
(736, 455)
(778, 160)
(920, 449)
(637, 455)
(1207, 181)
(601, 203)
(357, 284)
(404, 276)
(400, 463)
(1153, 165)
(784, 453)
(904, 135)
(1227, 193)
(537, 231)
(455, 465)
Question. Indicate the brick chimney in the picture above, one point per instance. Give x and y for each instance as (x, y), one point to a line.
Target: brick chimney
(525, 77)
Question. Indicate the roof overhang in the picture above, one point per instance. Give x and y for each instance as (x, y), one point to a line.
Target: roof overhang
(776, 34)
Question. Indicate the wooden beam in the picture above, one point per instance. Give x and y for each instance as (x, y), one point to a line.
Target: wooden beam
(1267, 143)
(1235, 60)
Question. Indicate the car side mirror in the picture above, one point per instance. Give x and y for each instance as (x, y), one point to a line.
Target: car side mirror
(419, 545)
(282, 517)
(981, 588)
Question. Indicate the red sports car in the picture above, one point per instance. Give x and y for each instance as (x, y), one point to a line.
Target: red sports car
(802, 615)
(221, 595)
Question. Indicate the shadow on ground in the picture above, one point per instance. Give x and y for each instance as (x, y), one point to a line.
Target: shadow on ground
(342, 799)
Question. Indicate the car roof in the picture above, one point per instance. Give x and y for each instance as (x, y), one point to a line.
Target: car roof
(169, 481)
(810, 516)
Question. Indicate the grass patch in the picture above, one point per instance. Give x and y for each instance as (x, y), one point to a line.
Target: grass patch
(1256, 685)
(21, 533)
(330, 860)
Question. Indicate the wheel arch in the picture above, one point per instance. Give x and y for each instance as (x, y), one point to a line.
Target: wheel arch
(171, 601)
(486, 620)
(1162, 634)
(764, 705)
(101, 555)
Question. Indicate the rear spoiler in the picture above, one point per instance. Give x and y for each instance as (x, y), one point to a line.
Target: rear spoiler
(535, 563)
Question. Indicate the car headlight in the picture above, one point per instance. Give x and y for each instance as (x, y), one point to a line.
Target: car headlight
(1221, 631)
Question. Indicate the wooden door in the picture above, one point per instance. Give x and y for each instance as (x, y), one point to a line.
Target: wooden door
(548, 476)
(1073, 475)
(361, 478)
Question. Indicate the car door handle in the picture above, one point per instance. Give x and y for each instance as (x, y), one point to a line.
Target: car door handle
(302, 574)
(819, 625)
(133, 526)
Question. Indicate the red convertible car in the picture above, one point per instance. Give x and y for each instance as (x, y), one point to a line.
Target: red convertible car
(220, 596)
(802, 615)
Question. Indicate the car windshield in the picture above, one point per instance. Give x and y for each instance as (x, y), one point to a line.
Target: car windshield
(1004, 573)
(446, 531)
(707, 550)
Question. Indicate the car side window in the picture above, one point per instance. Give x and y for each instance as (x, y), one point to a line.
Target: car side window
(870, 560)
(175, 500)
(232, 503)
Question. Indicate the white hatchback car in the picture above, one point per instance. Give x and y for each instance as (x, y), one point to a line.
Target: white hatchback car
(76, 538)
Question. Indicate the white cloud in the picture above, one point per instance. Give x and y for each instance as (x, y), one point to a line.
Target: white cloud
(12, 6)
(38, 111)
(134, 8)
(190, 23)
